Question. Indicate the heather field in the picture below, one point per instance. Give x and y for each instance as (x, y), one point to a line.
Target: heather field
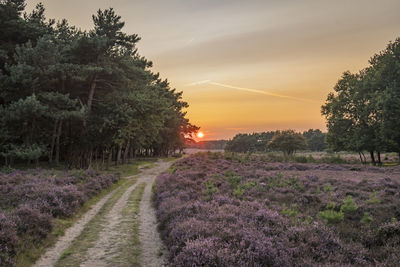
(31, 201)
(218, 209)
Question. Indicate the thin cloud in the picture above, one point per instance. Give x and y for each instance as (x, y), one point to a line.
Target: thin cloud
(247, 90)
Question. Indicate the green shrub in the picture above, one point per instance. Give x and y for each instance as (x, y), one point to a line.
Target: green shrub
(249, 185)
(373, 199)
(292, 212)
(327, 188)
(238, 191)
(331, 216)
(366, 219)
(210, 188)
(348, 206)
(330, 206)
(301, 159)
(310, 159)
(234, 181)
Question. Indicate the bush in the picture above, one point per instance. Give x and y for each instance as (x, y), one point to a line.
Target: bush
(330, 216)
(348, 206)
(301, 159)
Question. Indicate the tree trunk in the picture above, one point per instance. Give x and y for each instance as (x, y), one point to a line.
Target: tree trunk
(372, 157)
(91, 94)
(102, 158)
(58, 143)
(365, 159)
(126, 152)
(119, 155)
(379, 158)
(53, 140)
(109, 160)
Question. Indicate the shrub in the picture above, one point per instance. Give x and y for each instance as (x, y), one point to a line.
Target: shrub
(331, 216)
(301, 159)
(210, 188)
(238, 191)
(348, 206)
(366, 219)
(234, 181)
(327, 188)
(373, 199)
(333, 160)
(292, 212)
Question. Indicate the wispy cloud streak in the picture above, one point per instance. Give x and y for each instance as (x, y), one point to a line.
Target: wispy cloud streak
(248, 90)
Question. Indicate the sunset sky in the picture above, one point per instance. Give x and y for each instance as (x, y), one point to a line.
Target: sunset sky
(249, 66)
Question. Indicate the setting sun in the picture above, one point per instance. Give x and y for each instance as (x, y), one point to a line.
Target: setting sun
(200, 135)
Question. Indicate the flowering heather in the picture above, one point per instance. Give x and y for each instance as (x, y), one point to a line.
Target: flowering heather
(238, 210)
(30, 200)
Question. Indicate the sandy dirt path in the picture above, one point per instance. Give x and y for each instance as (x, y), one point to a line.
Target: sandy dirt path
(152, 249)
(112, 236)
(54, 253)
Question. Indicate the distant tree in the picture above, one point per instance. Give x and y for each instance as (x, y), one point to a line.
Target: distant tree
(288, 142)
(249, 142)
(315, 140)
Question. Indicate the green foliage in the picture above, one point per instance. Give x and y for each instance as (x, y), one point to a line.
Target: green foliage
(238, 191)
(327, 188)
(233, 179)
(330, 216)
(288, 142)
(291, 212)
(366, 219)
(362, 114)
(289, 182)
(78, 96)
(315, 140)
(245, 143)
(301, 159)
(210, 188)
(373, 199)
(348, 206)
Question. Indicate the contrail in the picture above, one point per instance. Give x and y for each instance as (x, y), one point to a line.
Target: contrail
(247, 90)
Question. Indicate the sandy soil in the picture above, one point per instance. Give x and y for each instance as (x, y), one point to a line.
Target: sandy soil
(152, 250)
(111, 235)
(53, 254)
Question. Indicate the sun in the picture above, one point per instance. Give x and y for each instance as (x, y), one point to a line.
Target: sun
(200, 135)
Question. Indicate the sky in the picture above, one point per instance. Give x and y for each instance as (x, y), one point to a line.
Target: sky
(249, 66)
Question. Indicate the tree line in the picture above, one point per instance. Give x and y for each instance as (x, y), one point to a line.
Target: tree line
(80, 96)
(313, 140)
(363, 114)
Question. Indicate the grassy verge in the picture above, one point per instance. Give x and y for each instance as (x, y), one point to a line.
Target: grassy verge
(32, 252)
(129, 251)
(132, 168)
